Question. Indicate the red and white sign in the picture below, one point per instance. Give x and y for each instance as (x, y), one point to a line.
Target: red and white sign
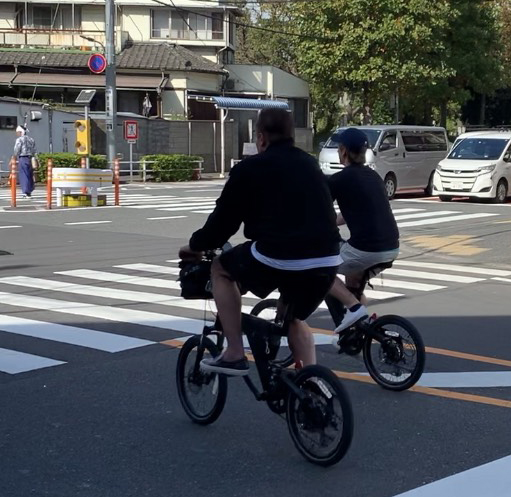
(131, 131)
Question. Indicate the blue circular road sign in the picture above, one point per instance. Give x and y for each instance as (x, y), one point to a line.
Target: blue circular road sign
(97, 63)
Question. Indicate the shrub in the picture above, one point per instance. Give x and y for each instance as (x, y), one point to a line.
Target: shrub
(174, 167)
(65, 159)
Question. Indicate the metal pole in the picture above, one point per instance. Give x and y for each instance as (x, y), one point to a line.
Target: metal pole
(223, 117)
(110, 81)
(86, 121)
(131, 162)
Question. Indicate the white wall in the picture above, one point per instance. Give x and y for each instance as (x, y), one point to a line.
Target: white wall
(93, 18)
(137, 22)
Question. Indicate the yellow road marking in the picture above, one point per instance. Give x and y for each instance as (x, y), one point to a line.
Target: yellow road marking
(435, 392)
(453, 245)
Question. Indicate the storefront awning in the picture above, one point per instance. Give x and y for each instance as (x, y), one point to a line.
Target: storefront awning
(247, 103)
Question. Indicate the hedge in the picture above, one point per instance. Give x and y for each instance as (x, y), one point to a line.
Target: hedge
(176, 167)
(65, 159)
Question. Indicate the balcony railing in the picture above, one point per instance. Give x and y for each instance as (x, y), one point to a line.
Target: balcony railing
(32, 37)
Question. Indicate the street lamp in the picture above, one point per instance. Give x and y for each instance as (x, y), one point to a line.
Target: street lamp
(93, 40)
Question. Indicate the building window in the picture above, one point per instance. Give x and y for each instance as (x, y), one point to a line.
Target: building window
(181, 25)
(160, 23)
(300, 108)
(8, 122)
(56, 17)
(217, 26)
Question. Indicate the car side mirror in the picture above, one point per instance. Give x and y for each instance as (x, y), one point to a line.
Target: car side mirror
(384, 146)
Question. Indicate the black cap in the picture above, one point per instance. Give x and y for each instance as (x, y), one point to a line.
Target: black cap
(353, 139)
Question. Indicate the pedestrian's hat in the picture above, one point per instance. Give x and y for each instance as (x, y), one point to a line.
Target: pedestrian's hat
(353, 139)
(21, 129)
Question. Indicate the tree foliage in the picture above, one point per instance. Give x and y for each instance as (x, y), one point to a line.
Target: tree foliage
(358, 54)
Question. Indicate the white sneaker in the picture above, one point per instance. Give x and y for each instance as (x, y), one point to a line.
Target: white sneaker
(350, 318)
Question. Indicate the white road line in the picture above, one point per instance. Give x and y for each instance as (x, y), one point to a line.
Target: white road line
(203, 212)
(88, 222)
(424, 214)
(408, 285)
(489, 480)
(454, 267)
(151, 268)
(180, 203)
(9, 227)
(90, 290)
(432, 276)
(197, 191)
(402, 211)
(165, 217)
(445, 219)
(504, 280)
(479, 379)
(189, 208)
(141, 318)
(83, 337)
(14, 362)
(174, 261)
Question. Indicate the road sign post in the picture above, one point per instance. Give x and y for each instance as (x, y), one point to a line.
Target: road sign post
(131, 136)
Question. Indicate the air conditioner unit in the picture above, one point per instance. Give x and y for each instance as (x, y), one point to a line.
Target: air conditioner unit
(229, 84)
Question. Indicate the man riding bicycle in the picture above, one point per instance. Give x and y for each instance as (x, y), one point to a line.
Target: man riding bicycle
(365, 209)
(283, 199)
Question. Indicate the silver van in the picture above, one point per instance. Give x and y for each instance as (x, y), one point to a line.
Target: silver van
(404, 156)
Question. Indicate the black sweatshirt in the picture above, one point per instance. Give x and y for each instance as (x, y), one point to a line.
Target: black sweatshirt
(363, 202)
(283, 199)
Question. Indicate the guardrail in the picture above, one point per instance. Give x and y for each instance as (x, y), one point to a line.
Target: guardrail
(142, 172)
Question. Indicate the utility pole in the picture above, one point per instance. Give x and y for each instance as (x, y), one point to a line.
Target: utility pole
(110, 82)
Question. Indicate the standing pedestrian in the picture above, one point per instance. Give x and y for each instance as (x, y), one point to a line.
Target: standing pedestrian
(24, 151)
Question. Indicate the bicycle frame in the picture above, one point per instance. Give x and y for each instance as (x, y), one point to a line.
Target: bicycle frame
(260, 334)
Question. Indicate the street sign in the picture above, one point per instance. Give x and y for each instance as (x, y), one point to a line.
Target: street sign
(131, 131)
(97, 63)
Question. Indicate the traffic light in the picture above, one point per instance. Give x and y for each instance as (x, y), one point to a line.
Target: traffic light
(82, 144)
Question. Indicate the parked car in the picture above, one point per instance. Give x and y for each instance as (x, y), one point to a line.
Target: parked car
(404, 156)
(478, 166)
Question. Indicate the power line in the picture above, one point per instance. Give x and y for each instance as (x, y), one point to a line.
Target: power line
(251, 26)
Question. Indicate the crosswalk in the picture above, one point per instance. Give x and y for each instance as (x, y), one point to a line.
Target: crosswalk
(50, 321)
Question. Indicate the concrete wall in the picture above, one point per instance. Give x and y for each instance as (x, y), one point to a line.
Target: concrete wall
(137, 22)
(93, 18)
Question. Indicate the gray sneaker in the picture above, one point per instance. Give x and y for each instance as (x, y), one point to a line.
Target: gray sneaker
(218, 365)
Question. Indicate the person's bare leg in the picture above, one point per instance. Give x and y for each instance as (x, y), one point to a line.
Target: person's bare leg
(341, 292)
(228, 302)
(301, 342)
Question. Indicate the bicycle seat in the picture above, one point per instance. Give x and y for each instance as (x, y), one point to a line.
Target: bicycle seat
(377, 269)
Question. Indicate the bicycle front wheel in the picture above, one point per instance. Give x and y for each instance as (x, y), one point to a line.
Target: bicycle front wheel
(202, 394)
(397, 361)
(321, 421)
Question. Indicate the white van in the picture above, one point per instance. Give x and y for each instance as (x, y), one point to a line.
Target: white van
(478, 165)
(404, 156)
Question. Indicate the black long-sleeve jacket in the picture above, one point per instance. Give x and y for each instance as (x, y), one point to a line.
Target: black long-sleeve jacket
(283, 199)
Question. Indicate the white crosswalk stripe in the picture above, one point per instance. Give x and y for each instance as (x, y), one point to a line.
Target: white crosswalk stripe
(108, 297)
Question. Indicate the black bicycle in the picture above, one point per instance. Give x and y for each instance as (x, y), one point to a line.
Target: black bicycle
(392, 347)
(312, 399)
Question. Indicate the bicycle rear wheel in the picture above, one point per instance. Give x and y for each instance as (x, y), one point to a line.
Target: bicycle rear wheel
(202, 394)
(321, 423)
(396, 362)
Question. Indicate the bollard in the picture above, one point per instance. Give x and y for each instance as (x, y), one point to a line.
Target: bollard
(116, 181)
(83, 164)
(13, 180)
(49, 181)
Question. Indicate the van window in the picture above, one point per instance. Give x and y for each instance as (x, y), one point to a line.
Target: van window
(479, 149)
(389, 141)
(372, 137)
(424, 141)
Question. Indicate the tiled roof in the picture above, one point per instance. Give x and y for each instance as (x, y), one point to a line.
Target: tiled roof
(156, 56)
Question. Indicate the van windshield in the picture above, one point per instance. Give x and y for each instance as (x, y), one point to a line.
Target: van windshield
(478, 149)
(372, 137)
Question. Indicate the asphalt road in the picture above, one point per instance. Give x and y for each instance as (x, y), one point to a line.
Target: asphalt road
(79, 420)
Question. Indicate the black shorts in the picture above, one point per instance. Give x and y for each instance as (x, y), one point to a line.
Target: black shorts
(303, 290)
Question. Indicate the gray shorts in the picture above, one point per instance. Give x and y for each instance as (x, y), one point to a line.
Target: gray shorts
(357, 261)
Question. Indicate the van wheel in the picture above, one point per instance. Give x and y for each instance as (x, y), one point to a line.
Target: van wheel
(445, 198)
(500, 192)
(390, 185)
(429, 189)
